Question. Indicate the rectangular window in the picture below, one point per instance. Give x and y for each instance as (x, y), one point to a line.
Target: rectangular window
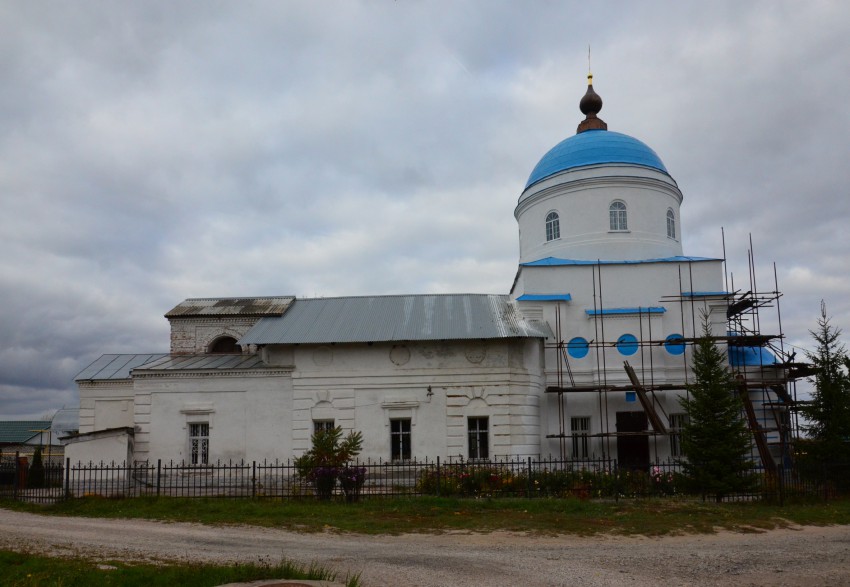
(199, 443)
(400, 439)
(581, 429)
(677, 422)
(479, 438)
(322, 425)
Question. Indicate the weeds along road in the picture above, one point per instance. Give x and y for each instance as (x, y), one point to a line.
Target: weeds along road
(792, 557)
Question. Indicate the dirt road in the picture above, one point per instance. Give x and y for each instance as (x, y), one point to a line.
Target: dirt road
(804, 556)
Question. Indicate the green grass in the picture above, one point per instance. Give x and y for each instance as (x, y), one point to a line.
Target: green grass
(28, 570)
(651, 517)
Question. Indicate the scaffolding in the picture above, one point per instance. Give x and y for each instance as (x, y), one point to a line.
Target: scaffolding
(766, 374)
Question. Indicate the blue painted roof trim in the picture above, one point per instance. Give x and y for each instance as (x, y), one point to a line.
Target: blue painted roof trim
(594, 147)
(544, 298)
(620, 311)
(555, 262)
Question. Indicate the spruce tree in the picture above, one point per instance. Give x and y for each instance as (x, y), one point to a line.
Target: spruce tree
(715, 440)
(828, 414)
(35, 477)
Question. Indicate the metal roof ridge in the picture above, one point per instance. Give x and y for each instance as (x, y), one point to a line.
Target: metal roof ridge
(422, 295)
(209, 299)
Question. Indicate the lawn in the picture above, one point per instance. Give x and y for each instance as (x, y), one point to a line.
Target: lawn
(29, 570)
(650, 517)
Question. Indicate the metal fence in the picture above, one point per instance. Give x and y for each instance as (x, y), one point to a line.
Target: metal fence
(518, 477)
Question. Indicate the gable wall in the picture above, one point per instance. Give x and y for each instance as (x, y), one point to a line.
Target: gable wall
(194, 335)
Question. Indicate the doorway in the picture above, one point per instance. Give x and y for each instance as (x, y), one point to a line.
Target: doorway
(632, 450)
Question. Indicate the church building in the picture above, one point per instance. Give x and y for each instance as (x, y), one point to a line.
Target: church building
(585, 357)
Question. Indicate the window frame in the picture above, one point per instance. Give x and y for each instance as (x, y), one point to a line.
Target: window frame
(478, 437)
(323, 425)
(677, 422)
(199, 443)
(401, 439)
(671, 224)
(618, 216)
(553, 226)
(580, 437)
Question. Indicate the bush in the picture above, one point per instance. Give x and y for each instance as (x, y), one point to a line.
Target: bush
(328, 460)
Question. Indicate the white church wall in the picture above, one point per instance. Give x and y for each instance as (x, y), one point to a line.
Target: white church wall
(623, 286)
(582, 199)
(248, 415)
(437, 386)
(105, 404)
(114, 445)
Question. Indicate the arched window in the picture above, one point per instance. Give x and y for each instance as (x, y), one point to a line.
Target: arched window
(671, 224)
(617, 217)
(553, 226)
(224, 345)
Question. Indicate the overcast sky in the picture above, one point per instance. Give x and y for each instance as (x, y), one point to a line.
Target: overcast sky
(155, 151)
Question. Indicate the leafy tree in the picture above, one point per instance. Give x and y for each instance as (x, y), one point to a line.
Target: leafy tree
(329, 459)
(828, 414)
(715, 440)
(35, 477)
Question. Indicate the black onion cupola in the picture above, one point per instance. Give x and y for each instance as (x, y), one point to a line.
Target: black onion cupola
(590, 105)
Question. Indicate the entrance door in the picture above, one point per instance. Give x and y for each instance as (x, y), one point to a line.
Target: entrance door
(632, 450)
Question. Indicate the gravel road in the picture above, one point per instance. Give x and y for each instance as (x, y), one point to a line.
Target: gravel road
(788, 557)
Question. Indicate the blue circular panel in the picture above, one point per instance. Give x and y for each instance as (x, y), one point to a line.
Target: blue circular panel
(577, 347)
(627, 344)
(675, 344)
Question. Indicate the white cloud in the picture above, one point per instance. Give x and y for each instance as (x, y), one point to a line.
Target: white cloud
(151, 152)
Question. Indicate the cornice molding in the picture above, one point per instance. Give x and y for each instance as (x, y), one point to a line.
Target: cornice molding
(105, 383)
(197, 374)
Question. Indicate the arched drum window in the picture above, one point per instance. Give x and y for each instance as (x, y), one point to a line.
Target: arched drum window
(553, 226)
(618, 220)
(671, 224)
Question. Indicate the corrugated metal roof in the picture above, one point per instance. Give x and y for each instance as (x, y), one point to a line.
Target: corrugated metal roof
(19, 431)
(396, 318)
(204, 363)
(266, 306)
(115, 366)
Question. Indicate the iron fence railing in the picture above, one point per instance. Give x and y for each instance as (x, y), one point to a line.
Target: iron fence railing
(509, 477)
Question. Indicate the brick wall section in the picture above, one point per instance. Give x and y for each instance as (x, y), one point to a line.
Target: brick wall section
(194, 335)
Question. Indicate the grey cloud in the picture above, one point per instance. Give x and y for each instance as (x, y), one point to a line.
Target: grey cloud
(151, 152)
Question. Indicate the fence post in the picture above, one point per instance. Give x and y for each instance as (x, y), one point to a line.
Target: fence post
(17, 475)
(780, 475)
(615, 471)
(438, 476)
(158, 470)
(528, 483)
(253, 478)
(68, 478)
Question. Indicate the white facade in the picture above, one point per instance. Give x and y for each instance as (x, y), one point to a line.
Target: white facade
(582, 198)
(600, 262)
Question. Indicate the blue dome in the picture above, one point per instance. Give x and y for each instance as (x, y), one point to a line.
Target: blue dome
(594, 147)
